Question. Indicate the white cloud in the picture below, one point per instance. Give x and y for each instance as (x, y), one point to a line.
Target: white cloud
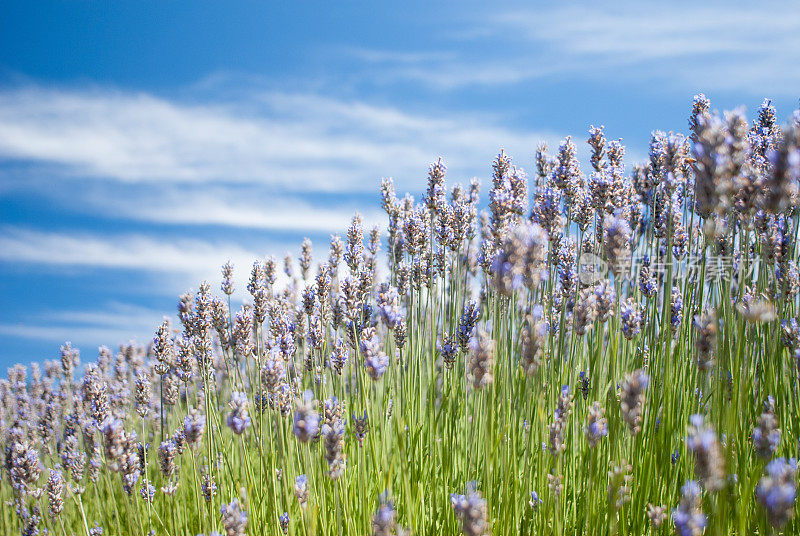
(249, 208)
(186, 261)
(633, 32)
(301, 142)
(114, 324)
(378, 56)
(749, 47)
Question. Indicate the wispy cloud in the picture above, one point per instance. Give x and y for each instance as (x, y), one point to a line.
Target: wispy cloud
(189, 261)
(239, 206)
(114, 324)
(379, 56)
(715, 46)
(292, 141)
(224, 208)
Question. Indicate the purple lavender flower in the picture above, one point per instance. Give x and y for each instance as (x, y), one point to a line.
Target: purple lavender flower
(632, 394)
(596, 427)
(647, 280)
(559, 425)
(448, 350)
(384, 522)
(70, 359)
(689, 518)
(239, 418)
(566, 175)
(375, 360)
(700, 106)
(227, 278)
(766, 435)
(207, 484)
(781, 183)
(400, 331)
(473, 512)
(147, 492)
(163, 348)
(597, 141)
(466, 325)
(360, 427)
(676, 308)
(790, 333)
(481, 361)
(376, 365)
(273, 372)
(55, 492)
(339, 356)
(583, 380)
(719, 153)
(167, 452)
(306, 418)
(706, 327)
(535, 501)
(95, 393)
(435, 196)
(333, 444)
(389, 305)
(777, 491)
(144, 392)
(584, 312)
(709, 464)
(534, 338)
(631, 318)
(619, 489)
(520, 262)
(234, 518)
(301, 490)
(605, 296)
(309, 300)
(242, 336)
(114, 438)
(305, 257)
(29, 519)
(657, 514)
(193, 427)
(617, 244)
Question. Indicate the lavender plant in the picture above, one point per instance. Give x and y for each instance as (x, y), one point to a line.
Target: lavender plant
(590, 354)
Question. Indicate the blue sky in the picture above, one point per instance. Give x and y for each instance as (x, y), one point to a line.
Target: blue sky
(142, 144)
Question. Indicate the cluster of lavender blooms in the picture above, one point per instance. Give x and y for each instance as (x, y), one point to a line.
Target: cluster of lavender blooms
(471, 509)
(777, 490)
(688, 517)
(443, 354)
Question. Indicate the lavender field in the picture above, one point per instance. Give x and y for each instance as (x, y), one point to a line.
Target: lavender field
(600, 347)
